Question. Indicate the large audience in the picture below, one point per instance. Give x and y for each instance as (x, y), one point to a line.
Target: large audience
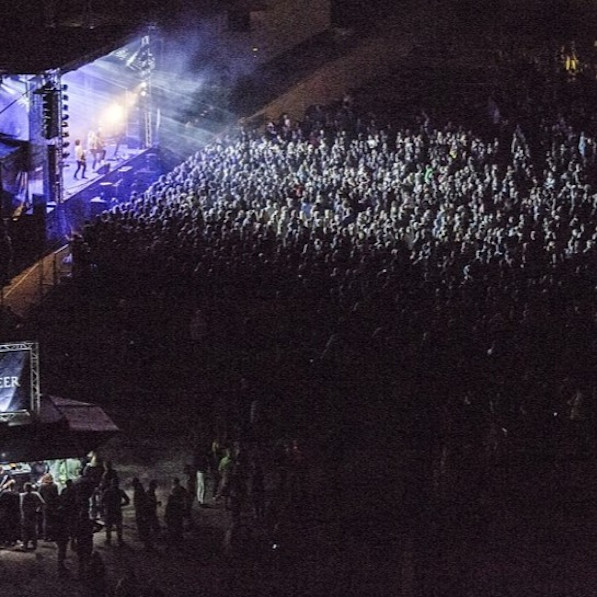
(411, 258)
(352, 275)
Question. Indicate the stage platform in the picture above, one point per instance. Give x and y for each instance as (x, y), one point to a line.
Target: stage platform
(116, 158)
(110, 183)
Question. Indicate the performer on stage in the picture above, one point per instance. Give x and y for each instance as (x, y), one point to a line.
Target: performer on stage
(81, 159)
(92, 147)
(100, 147)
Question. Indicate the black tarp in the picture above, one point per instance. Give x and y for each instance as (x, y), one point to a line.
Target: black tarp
(63, 428)
(12, 171)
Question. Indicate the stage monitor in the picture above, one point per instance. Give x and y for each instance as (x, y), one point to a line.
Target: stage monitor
(18, 377)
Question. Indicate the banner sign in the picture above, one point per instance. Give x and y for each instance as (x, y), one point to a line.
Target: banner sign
(15, 377)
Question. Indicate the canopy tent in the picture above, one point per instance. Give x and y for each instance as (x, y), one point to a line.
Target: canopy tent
(63, 428)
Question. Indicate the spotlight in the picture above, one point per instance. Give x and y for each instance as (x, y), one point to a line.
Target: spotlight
(50, 113)
(114, 114)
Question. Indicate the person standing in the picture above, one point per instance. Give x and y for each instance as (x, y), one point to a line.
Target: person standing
(84, 540)
(175, 513)
(191, 476)
(61, 533)
(10, 514)
(49, 493)
(80, 159)
(113, 500)
(31, 504)
(69, 505)
(92, 147)
(154, 523)
(225, 467)
(202, 468)
(142, 506)
(108, 475)
(100, 147)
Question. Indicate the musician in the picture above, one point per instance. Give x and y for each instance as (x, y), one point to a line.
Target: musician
(100, 147)
(81, 160)
(92, 146)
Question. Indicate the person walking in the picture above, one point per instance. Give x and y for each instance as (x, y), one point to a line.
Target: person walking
(113, 500)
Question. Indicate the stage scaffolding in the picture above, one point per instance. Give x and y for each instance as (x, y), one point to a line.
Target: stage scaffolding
(48, 153)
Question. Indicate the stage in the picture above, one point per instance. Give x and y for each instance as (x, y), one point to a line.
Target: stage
(117, 157)
(108, 185)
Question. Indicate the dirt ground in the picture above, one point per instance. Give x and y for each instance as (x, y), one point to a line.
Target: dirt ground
(183, 573)
(263, 565)
(199, 567)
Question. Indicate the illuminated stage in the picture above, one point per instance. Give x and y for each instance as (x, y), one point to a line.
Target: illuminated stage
(116, 161)
(95, 111)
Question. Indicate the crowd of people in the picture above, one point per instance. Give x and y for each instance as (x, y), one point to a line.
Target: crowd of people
(70, 514)
(443, 273)
(459, 262)
(76, 513)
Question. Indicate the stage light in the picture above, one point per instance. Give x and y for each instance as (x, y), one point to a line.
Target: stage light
(143, 85)
(114, 114)
(64, 117)
(50, 112)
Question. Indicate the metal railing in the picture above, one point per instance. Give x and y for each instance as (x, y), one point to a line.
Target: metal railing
(28, 289)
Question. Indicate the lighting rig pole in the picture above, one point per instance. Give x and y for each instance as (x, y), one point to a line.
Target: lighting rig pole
(147, 65)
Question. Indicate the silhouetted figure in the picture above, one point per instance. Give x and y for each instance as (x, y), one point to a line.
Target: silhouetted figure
(175, 513)
(113, 500)
(142, 507)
